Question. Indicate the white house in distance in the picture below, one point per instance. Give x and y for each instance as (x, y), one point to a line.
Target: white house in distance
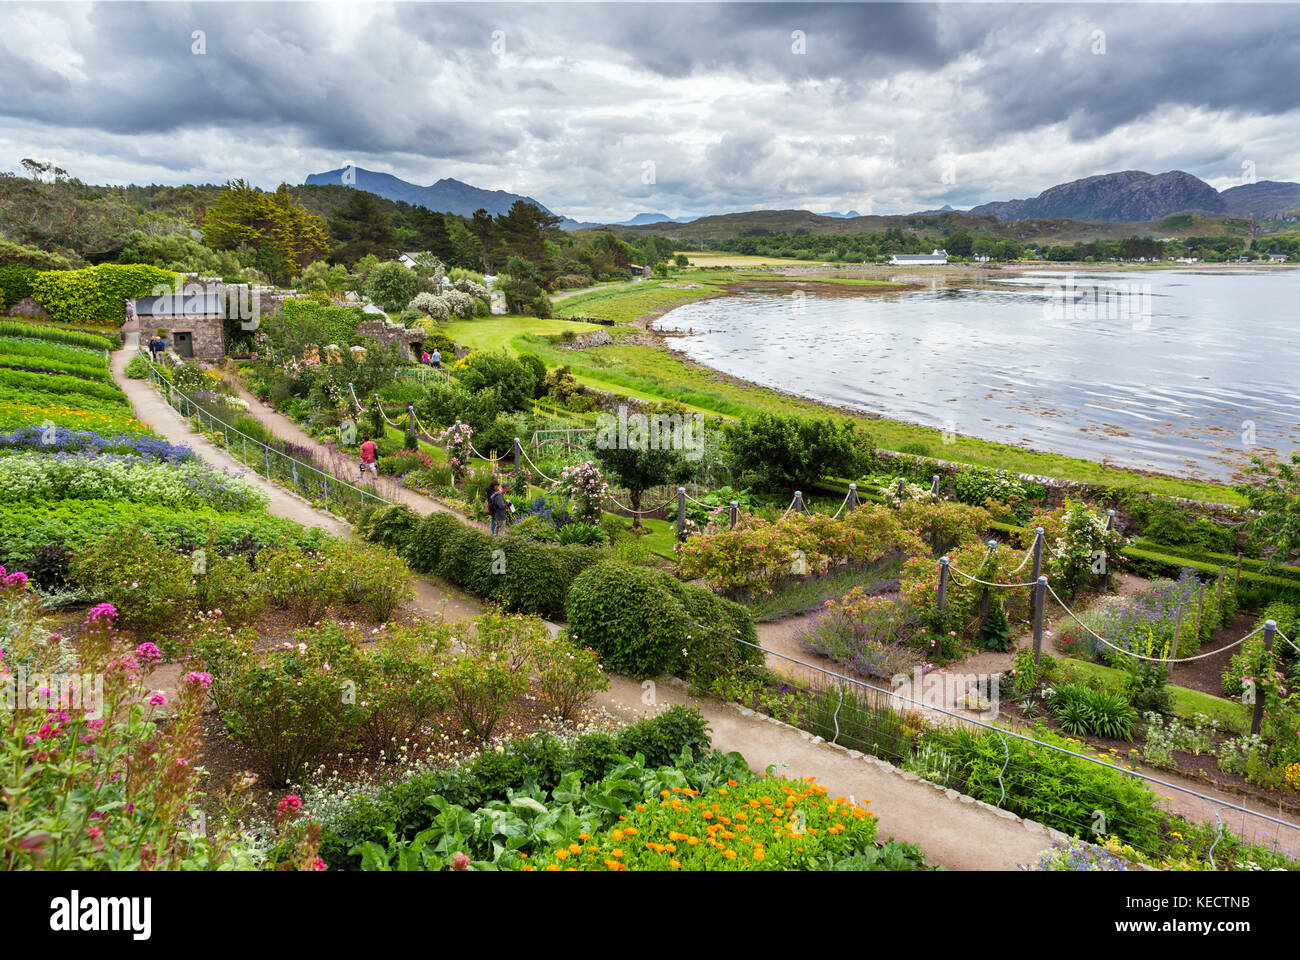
(409, 260)
(937, 258)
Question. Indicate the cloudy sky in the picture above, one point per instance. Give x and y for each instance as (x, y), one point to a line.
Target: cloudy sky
(601, 111)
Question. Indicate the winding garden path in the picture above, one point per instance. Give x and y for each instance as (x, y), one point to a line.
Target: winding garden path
(951, 829)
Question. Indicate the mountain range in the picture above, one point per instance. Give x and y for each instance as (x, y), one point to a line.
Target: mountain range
(1129, 196)
(1134, 195)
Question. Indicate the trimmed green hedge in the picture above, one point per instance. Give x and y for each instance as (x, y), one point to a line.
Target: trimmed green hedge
(403, 809)
(1148, 563)
(96, 295)
(15, 283)
(521, 575)
(1228, 561)
(644, 622)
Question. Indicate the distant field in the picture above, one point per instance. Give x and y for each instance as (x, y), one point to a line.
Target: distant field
(717, 258)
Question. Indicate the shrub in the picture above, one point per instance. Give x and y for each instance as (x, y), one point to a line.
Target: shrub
(371, 576)
(15, 284)
(586, 534)
(567, 676)
(481, 691)
(289, 708)
(788, 453)
(398, 691)
(644, 622)
(149, 584)
(512, 381)
(944, 526)
(303, 584)
(869, 636)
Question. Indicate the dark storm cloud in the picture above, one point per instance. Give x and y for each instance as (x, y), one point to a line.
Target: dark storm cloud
(569, 102)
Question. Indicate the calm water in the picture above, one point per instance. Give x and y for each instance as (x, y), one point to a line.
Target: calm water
(1161, 370)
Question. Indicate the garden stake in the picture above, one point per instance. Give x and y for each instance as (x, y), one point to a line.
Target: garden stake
(798, 501)
(934, 485)
(735, 512)
(1257, 718)
(681, 512)
(1040, 601)
(943, 583)
(518, 449)
(853, 496)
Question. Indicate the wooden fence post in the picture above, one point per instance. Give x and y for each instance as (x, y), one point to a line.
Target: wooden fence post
(798, 502)
(1038, 570)
(1040, 592)
(735, 512)
(934, 485)
(681, 512)
(853, 497)
(1257, 718)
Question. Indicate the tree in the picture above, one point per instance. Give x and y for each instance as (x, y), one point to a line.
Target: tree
(522, 231)
(243, 216)
(1274, 498)
(484, 230)
(362, 228)
(639, 467)
(793, 453)
(959, 244)
(430, 233)
(392, 286)
(682, 260)
(514, 383)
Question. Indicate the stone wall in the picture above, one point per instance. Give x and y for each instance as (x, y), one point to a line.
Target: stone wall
(27, 307)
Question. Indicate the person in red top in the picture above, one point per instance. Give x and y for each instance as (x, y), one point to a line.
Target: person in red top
(368, 456)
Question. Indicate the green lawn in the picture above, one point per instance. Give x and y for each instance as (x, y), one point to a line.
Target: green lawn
(498, 333)
(1187, 702)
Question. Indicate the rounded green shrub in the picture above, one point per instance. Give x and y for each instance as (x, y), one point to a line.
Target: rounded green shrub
(643, 621)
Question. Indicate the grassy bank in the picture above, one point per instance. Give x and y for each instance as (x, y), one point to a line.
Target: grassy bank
(652, 373)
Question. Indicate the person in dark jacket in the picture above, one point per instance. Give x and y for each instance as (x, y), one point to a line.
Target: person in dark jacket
(498, 506)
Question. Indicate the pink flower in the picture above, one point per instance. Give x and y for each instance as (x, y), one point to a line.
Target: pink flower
(199, 678)
(157, 700)
(459, 861)
(16, 580)
(101, 611)
(148, 652)
(290, 805)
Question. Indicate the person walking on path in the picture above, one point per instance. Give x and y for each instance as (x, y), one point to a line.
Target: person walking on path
(424, 358)
(437, 359)
(368, 451)
(498, 507)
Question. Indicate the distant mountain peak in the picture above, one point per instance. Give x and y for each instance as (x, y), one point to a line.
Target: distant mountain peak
(447, 195)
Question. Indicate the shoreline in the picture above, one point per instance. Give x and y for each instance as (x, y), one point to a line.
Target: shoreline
(1068, 467)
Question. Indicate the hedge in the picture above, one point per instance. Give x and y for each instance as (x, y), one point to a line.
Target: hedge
(644, 622)
(95, 295)
(1228, 561)
(15, 284)
(521, 575)
(1253, 586)
(403, 808)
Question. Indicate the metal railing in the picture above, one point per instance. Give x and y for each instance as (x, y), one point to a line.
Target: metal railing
(307, 480)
